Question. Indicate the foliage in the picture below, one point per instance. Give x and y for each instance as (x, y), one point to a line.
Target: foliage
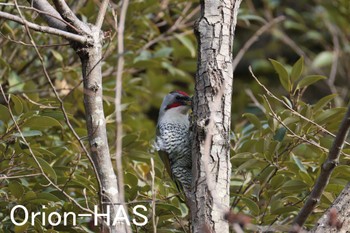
(277, 147)
(278, 151)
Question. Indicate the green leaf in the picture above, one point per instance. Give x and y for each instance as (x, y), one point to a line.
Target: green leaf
(308, 80)
(41, 122)
(299, 163)
(282, 74)
(328, 115)
(342, 171)
(266, 174)
(285, 210)
(247, 164)
(16, 189)
(252, 206)
(323, 59)
(277, 181)
(163, 52)
(251, 17)
(306, 178)
(281, 132)
(144, 56)
(130, 179)
(293, 185)
(297, 70)
(291, 120)
(324, 101)
(29, 133)
(253, 119)
(164, 207)
(48, 196)
(173, 70)
(57, 55)
(81, 181)
(15, 82)
(4, 114)
(30, 195)
(187, 43)
(48, 170)
(23, 228)
(17, 105)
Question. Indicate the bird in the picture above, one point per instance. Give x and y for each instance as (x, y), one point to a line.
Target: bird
(173, 139)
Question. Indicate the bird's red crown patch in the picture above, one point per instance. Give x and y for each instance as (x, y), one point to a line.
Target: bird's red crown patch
(182, 93)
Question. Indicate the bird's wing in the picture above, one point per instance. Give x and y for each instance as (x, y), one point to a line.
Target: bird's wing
(162, 154)
(165, 158)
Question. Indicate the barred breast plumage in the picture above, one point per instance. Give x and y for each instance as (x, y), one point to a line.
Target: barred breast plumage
(173, 140)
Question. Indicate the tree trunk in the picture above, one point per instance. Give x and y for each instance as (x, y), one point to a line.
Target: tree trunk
(336, 218)
(91, 56)
(96, 125)
(212, 116)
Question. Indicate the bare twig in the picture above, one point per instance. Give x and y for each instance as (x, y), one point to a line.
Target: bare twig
(254, 38)
(178, 25)
(118, 98)
(44, 6)
(30, 45)
(101, 14)
(61, 103)
(326, 170)
(304, 139)
(68, 15)
(55, 16)
(50, 182)
(269, 93)
(43, 106)
(50, 30)
(118, 95)
(336, 52)
(154, 222)
(255, 101)
(4, 177)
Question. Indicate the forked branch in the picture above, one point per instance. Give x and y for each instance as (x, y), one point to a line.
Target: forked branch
(326, 171)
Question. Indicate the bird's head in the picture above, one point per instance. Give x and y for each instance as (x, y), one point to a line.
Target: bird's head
(178, 101)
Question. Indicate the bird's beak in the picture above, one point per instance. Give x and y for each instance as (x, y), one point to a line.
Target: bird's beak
(188, 101)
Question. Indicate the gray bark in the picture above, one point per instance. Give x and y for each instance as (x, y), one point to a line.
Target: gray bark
(91, 55)
(342, 207)
(212, 116)
(96, 125)
(44, 6)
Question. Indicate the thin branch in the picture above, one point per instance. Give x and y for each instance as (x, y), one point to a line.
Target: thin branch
(118, 99)
(178, 25)
(62, 108)
(43, 13)
(101, 14)
(304, 139)
(44, 6)
(269, 93)
(46, 29)
(50, 182)
(42, 106)
(326, 170)
(68, 15)
(30, 45)
(4, 177)
(255, 101)
(254, 38)
(154, 222)
(336, 52)
(118, 95)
